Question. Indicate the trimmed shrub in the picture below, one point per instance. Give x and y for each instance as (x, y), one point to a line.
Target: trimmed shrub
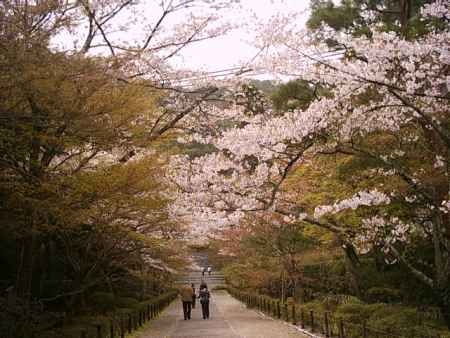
(316, 306)
(102, 301)
(353, 313)
(126, 302)
(331, 302)
(384, 295)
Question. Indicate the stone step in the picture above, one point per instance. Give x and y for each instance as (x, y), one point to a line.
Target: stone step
(215, 281)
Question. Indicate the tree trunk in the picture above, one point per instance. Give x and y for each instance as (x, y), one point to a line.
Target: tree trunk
(405, 15)
(24, 275)
(443, 297)
(353, 265)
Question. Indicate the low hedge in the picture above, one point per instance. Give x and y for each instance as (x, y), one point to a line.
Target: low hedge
(121, 308)
(380, 319)
(384, 295)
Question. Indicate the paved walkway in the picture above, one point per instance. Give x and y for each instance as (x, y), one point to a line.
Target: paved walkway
(229, 319)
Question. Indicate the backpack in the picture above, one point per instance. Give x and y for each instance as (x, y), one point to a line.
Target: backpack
(203, 295)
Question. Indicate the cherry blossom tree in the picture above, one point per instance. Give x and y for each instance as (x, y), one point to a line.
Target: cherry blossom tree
(386, 102)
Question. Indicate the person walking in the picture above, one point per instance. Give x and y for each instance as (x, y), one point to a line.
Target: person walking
(186, 294)
(209, 270)
(204, 297)
(193, 295)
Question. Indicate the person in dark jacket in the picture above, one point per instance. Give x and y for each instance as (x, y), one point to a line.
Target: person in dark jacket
(193, 295)
(204, 297)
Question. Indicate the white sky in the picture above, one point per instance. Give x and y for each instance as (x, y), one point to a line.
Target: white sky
(209, 55)
(226, 51)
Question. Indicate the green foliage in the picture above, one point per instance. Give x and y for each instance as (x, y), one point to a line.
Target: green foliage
(89, 324)
(332, 301)
(102, 301)
(268, 87)
(343, 17)
(79, 213)
(384, 295)
(352, 16)
(126, 302)
(292, 95)
(315, 306)
(400, 320)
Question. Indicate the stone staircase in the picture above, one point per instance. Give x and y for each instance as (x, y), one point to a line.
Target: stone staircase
(215, 279)
(194, 273)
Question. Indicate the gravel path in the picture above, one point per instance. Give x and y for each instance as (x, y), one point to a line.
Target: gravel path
(229, 319)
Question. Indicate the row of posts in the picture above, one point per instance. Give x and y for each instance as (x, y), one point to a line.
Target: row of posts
(291, 313)
(132, 321)
(313, 322)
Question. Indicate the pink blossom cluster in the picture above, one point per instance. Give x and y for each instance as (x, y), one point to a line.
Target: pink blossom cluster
(252, 159)
(383, 232)
(362, 198)
(438, 9)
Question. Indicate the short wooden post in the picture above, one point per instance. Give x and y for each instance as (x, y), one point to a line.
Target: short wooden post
(99, 331)
(129, 323)
(311, 314)
(302, 318)
(294, 319)
(364, 330)
(327, 326)
(111, 329)
(278, 310)
(148, 311)
(122, 328)
(83, 334)
(286, 312)
(341, 329)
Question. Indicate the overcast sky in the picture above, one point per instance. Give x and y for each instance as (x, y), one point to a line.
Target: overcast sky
(210, 55)
(229, 50)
